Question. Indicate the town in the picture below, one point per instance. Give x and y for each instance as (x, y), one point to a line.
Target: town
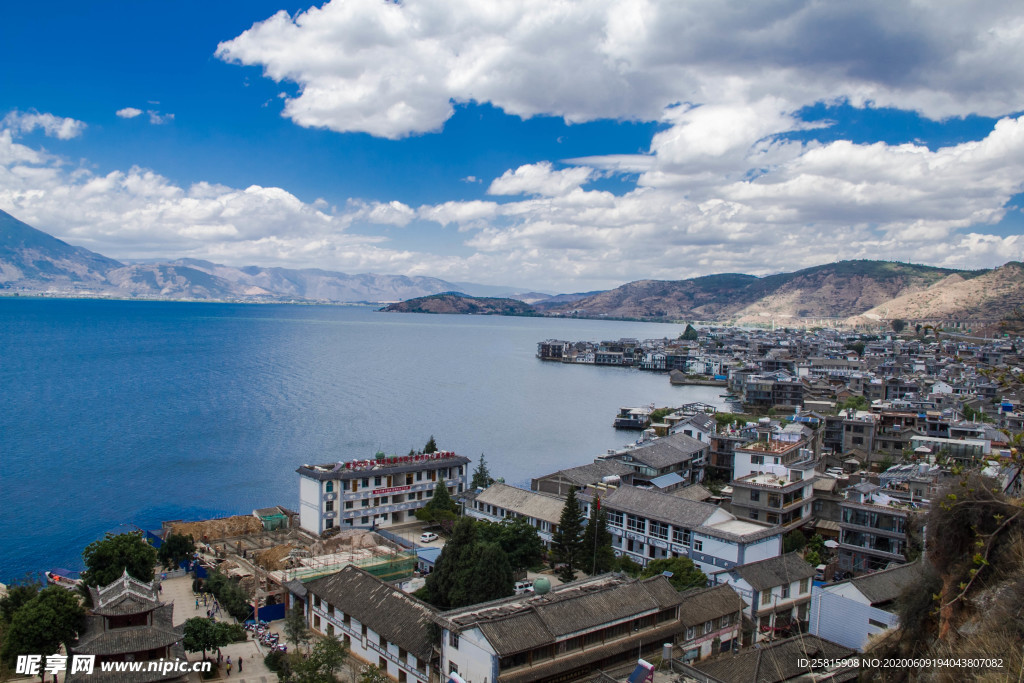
(779, 541)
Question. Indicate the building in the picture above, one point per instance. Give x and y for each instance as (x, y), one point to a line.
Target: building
(558, 483)
(380, 624)
(780, 661)
(500, 501)
(780, 493)
(578, 627)
(128, 623)
(649, 525)
(771, 455)
(850, 612)
(713, 618)
(777, 592)
(375, 493)
(677, 453)
(872, 529)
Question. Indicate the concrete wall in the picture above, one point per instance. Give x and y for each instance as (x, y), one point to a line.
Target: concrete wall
(309, 504)
(846, 621)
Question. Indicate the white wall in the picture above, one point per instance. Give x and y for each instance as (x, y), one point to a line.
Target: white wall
(474, 656)
(845, 621)
(309, 504)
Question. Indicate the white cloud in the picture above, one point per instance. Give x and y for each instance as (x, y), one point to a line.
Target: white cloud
(129, 112)
(394, 69)
(59, 127)
(540, 179)
(157, 119)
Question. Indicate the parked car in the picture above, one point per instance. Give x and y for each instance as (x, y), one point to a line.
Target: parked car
(524, 587)
(427, 537)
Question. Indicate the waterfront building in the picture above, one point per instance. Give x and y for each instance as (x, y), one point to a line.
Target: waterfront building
(649, 525)
(500, 501)
(579, 627)
(777, 592)
(600, 471)
(380, 624)
(128, 623)
(851, 612)
(677, 453)
(375, 493)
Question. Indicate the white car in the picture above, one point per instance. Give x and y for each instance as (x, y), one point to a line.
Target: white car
(427, 537)
(523, 587)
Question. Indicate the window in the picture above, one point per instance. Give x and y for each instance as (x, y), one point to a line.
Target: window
(316, 601)
(725, 621)
(364, 520)
(707, 627)
(364, 630)
(366, 483)
(785, 591)
(614, 518)
(383, 642)
(757, 460)
(365, 502)
(691, 633)
(877, 624)
(755, 496)
(316, 622)
(376, 481)
(329, 524)
(329, 487)
(329, 507)
(698, 544)
(419, 476)
(766, 597)
(659, 530)
(753, 514)
(681, 536)
(634, 523)
(804, 585)
(453, 640)
(348, 504)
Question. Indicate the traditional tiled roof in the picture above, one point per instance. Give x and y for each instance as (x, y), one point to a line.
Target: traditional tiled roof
(97, 676)
(775, 662)
(667, 451)
(594, 472)
(704, 604)
(528, 503)
(693, 492)
(126, 595)
(664, 507)
(775, 571)
(98, 641)
(400, 618)
(888, 584)
(524, 622)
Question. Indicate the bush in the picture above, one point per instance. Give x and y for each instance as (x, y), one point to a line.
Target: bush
(276, 660)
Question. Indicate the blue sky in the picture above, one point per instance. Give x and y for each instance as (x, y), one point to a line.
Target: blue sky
(557, 146)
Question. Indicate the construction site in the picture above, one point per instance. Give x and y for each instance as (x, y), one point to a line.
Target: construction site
(267, 549)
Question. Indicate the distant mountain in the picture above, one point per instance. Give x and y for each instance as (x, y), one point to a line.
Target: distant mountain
(457, 302)
(836, 290)
(33, 262)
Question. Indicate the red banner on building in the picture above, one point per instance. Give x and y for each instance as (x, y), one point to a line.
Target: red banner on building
(393, 489)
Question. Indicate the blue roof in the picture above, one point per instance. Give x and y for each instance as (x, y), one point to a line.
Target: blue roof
(428, 554)
(666, 480)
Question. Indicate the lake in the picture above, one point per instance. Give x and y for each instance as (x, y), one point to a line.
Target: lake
(130, 413)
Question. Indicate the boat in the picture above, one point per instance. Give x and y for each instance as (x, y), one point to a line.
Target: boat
(65, 578)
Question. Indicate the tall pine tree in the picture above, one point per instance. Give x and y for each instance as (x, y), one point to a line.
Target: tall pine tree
(598, 556)
(567, 541)
(481, 476)
(446, 585)
(492, 575)
(431, 446)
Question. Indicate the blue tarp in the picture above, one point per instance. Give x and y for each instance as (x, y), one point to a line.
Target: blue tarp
(272, 612)
(153, 539)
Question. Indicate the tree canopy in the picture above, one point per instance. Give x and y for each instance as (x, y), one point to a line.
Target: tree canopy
(440, 507)
(597, 554)
(202, 634)
(295, 630)
(108, 558)
(470, 569)
(685, 574)
(323, 662)
(431, 446)
(481, 476)
(51, 618)
(175, 549)
(517, 537)
(17, 595)
(567, 540)
(689, 334)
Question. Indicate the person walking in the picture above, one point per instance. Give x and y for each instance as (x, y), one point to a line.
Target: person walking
(229, 666)
(239, 665)
(197, 604)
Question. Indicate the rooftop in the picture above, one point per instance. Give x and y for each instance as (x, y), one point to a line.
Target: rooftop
(773, 446)
(392, 464)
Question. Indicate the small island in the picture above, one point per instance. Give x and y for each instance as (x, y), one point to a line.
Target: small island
(456, 302)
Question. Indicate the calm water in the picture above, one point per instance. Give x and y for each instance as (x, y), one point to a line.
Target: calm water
(135, 412)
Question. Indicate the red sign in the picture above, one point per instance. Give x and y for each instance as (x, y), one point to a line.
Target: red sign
(393, 489)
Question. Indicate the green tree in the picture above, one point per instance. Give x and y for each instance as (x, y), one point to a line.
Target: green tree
(53, 617)
(685, 574)
(17, 595)
(793, 541)
(567, 540)
(201, 634)
(898, 325)
(598, 556)
(856, 346)
(520, 541)
(481, 476)
(431, 446)
(491, 577)
(450, 574)
(108, 558)
(689, 334)
(855, 402)
(229, 594)
(295, 630)
(625, 565)
(175, 549)
(323, 662)
(440, 507)
(812, 558)
(371, 674)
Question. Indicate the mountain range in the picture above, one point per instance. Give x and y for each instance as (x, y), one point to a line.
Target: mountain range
(850, 292)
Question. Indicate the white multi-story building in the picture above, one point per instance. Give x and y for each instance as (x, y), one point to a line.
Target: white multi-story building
(649, 525)
(777, 592)
(381, 625)
(375, 493)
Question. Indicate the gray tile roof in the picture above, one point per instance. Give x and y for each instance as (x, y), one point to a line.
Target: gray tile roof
(888, 584)
(704, 604)
(517, 624)
(667, 451)
(529, 503)
(97, 676)
(775, 662)
(125, 595)
(693, 492)
(400, 618)
(97, 641)
(775, 571)
(594, 472)
(663, 507)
